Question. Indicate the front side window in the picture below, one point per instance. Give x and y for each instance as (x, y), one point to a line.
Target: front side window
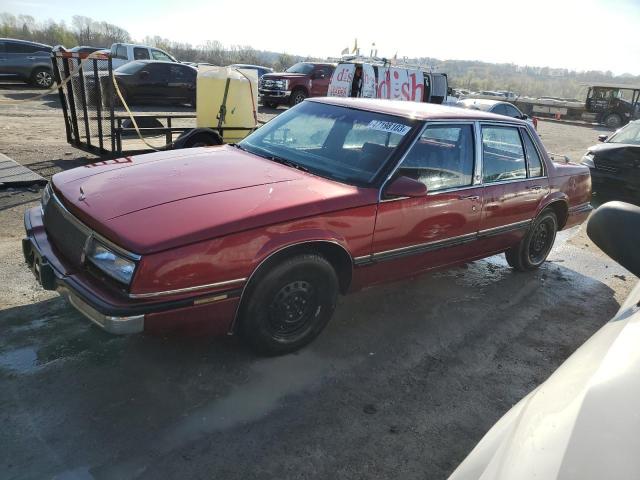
(335, 142)
(502, 154)
(442, 158)
(161, 56)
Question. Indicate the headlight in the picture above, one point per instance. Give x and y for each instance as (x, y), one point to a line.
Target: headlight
(587, 160)
(285, 84)
(114, 265)
(46, 196)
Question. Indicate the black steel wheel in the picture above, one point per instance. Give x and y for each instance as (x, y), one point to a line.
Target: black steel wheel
(536, 245)
(286, 306)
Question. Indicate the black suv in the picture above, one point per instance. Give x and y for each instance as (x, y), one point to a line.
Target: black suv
(26, 61)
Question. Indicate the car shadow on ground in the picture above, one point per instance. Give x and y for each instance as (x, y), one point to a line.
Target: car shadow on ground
(424, 366)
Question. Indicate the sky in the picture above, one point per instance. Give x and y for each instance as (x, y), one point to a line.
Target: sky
(574, 34)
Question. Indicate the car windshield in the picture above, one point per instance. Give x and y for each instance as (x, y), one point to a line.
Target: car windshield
(131, 67)
(343, 144)
(300, 68)
(629, 134)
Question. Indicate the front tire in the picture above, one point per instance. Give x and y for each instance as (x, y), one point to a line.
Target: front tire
(289, 305)
(271, 104)
(536, 245)
(297, 97)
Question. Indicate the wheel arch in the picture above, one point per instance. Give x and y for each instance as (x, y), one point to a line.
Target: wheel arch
(336, 254)
(560, 207)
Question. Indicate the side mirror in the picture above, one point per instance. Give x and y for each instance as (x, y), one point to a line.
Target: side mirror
(144, 74)
(318, 75)
(524, 116)
(405, 187)
(602, 138)
(615, 228)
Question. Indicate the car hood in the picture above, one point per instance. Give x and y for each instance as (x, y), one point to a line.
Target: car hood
(608, 146)
(162, 200)
(282, 75)
(582, 423)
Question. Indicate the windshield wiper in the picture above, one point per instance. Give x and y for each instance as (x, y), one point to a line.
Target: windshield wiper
(288, 163)
(274, 158)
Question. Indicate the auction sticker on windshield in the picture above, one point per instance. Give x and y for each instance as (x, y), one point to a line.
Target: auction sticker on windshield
(390, 127)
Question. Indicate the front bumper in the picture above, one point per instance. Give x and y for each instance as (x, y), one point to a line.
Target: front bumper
(274, 95)
(117, 315)
(51, 278)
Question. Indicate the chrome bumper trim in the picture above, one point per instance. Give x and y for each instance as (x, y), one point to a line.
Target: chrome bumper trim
(115, 325)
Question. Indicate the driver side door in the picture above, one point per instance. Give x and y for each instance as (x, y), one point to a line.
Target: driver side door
(420, 233)
(320, 78)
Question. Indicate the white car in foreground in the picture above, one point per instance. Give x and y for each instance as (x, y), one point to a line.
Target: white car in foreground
(584, 422)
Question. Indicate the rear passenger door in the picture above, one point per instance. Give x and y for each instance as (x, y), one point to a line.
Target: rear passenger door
(514, 184)
(439, 228)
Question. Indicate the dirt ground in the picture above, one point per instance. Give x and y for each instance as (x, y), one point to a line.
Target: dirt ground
(403, 382)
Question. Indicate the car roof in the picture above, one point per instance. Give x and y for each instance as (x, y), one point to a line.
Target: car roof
(17, 40)
(151, 62)
(418, 110)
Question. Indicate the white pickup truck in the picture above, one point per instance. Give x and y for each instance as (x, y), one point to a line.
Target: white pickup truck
(122, 53)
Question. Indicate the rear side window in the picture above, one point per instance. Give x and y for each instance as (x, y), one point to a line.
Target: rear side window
(502, 154)
(442, 158)
(140, 53)
(533, 159)
(121, 52)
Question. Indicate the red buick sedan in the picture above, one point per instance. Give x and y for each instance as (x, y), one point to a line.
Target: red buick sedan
(329, 197)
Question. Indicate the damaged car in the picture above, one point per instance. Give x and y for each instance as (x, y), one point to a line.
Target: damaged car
(334, 195)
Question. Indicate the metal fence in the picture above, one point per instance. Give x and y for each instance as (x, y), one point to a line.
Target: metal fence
(87, 98)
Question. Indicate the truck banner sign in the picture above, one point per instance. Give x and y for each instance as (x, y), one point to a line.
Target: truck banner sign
(341, 80)
(368, 81)
(400, 84)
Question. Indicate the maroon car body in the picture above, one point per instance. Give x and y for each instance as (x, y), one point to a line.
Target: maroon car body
(201, 225)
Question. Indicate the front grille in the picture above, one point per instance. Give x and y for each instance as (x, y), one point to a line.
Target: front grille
(65, 232)
(605, 165)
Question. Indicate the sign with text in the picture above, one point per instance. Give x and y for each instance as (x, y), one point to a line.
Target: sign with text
(341, 80)
(400, 84)
(369, 81)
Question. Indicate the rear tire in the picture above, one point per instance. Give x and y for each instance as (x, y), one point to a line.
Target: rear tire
(535, 246)
(613, 120)
(42, 78)
(289, 305)
(271, 104)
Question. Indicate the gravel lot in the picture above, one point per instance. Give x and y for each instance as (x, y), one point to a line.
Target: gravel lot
(402, 384)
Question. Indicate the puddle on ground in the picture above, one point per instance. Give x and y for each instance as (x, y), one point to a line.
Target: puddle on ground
(21, 360)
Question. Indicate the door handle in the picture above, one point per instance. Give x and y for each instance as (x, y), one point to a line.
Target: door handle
(534, 187)
(31, 58)
(469, 197)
